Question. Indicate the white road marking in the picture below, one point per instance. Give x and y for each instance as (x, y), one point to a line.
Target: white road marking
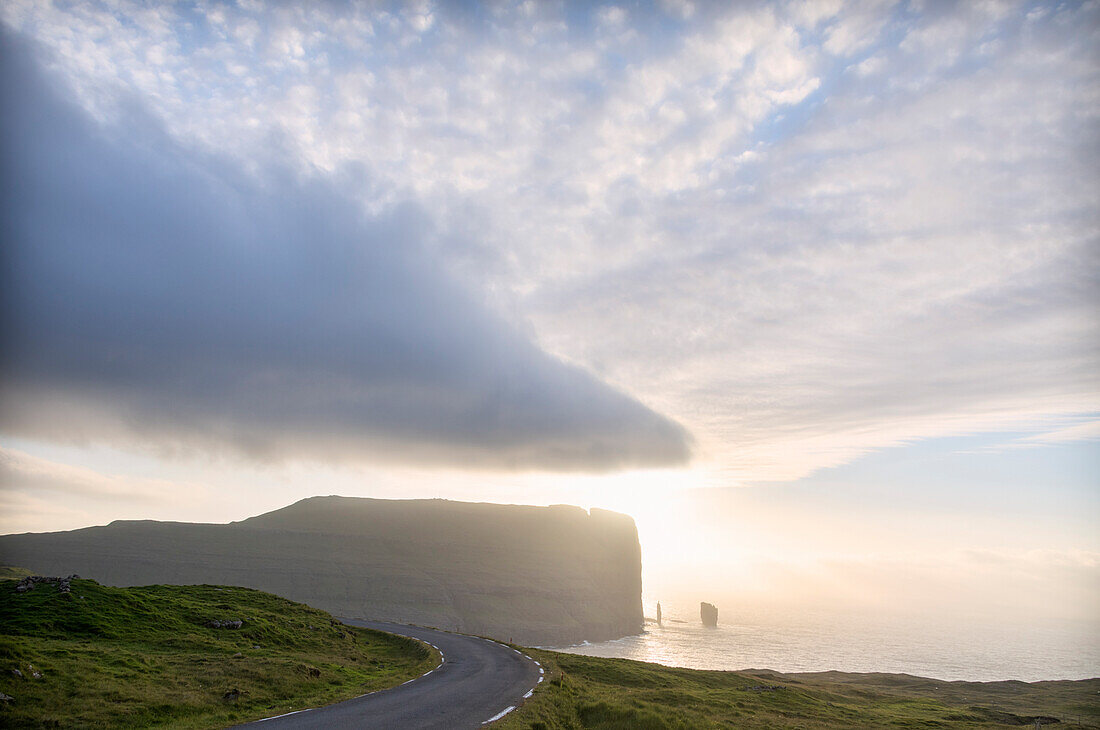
(499, 715)
(442, 659)
(285, 714)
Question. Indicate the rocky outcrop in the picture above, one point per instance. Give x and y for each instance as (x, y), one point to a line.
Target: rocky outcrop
(537, 575)
(708, 613)
(64, 585)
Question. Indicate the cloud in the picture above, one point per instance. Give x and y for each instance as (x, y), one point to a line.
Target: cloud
(797, 262)
(1086, 431)
(156, 293)
(915, 256)
(22, 472)
(859, 28)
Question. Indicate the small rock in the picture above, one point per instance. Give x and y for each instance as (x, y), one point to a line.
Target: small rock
(28, 583)
(765, 688)
(35, 674)
(238, 655)
(255, 646)
(232, 695)
(5, 698)
(17, 673)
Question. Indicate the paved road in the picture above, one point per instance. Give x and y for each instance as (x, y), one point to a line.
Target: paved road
(477, 681)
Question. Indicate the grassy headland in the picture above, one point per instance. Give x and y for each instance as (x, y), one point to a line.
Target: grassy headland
(620, 694)
(145, 657)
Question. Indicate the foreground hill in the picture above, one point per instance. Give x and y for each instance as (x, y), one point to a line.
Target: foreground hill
(148, 657)
(610, 694)
(535, 575)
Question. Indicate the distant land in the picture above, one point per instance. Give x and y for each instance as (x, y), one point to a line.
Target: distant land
(533, 575)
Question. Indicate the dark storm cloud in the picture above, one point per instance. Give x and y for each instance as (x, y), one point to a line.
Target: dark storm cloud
(152, 293)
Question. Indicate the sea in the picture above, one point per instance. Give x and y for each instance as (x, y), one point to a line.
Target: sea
(944, 647)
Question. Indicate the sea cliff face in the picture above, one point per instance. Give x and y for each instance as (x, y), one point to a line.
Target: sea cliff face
(535, 575)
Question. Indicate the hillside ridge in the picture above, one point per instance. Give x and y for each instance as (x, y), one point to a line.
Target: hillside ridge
(537, 575)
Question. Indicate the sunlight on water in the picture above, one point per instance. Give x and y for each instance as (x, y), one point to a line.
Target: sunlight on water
(822, 641)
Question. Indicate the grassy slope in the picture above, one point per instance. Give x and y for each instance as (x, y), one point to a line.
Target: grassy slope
(11, 572)
(611, 694)
(142, 657)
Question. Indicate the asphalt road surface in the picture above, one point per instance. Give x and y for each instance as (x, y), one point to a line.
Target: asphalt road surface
(478, 681)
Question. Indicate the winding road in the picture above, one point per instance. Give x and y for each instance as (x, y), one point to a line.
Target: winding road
(478, 682)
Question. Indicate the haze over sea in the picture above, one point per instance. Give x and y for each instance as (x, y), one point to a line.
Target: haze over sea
(820, 640)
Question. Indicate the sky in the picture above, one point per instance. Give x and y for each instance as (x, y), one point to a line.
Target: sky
(810, 289)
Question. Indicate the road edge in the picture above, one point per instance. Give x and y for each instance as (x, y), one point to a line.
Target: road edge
(433, 647)
(542, 675)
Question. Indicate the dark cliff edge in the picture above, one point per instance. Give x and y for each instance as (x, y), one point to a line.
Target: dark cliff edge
(535, 575)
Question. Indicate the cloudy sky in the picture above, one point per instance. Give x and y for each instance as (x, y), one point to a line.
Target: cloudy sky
(809, 288)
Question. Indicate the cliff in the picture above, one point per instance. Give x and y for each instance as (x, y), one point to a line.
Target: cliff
(537, 575)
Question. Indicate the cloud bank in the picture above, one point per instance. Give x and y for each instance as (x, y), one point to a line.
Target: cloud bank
(155, 293)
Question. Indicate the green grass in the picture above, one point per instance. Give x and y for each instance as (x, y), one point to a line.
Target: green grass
(10, 572)
(143, 657)
(620, 694)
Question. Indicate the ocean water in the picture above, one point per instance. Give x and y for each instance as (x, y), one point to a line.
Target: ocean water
(945, 647)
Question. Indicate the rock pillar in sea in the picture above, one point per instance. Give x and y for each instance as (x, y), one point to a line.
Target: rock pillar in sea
(709, 614)
(659, 613)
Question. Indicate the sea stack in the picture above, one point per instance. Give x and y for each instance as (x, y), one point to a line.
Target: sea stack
(709, 614)
(659, 614)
